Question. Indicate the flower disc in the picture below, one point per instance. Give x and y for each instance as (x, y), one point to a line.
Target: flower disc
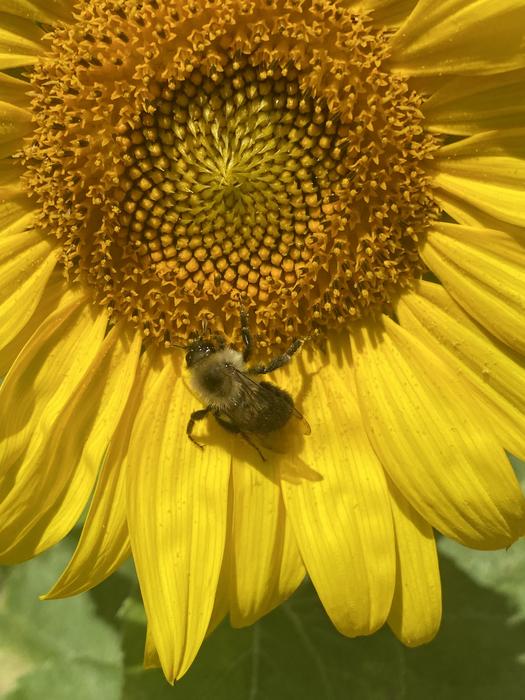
(265, 157)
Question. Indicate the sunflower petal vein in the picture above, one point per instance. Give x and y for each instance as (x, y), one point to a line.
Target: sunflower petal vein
(26, 263)
(15, 91)
(484, 270)
(20, 41)
(435, 444)
(260, 534)
(494, 372)
(488, 171)
(461, 37)
(416, 609)
(342, 520)
(15, 123)
(64, 470)
(464, 106)
(104, 543)
(177, 514)
(47, 11)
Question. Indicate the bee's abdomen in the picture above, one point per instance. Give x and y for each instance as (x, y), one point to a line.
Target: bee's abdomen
(271, 410)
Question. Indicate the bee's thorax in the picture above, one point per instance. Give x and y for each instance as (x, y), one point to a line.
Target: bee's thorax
(212, 380)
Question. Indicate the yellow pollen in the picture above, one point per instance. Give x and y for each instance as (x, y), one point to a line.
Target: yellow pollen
(190, 157)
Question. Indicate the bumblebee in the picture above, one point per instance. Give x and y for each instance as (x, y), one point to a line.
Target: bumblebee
(240, 403)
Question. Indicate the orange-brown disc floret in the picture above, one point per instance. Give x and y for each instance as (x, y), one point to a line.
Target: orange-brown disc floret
(194, 156)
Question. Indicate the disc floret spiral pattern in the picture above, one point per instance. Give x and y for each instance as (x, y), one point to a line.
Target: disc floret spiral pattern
(266, 156)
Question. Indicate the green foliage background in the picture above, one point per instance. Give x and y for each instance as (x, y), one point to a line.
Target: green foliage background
(90, 647)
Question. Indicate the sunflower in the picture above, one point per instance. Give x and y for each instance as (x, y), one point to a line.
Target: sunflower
(349, 174)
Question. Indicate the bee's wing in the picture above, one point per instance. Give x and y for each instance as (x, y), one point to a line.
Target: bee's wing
(250, 393)
(253, 391)
(251, 405)
(249, 386)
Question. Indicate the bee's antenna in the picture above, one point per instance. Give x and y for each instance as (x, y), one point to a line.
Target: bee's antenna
(184, 345)
(169, 343)
(311, 336)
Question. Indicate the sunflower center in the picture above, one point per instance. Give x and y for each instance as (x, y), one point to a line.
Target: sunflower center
(230, 178)
(194, 157)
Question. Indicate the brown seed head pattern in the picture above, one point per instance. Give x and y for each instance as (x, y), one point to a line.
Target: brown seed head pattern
(192, 156)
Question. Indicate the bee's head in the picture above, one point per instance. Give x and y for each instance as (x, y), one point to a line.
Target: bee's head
(197, 351)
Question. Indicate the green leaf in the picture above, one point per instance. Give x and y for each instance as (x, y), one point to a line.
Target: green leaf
(296, 653)
(58, 649)
(292, 653)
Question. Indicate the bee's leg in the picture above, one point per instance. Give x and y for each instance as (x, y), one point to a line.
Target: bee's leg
(226, 424)
(220, 341)
(246, 336)
(232, 428)
(278, 361)
(247, 438)
(195, 416)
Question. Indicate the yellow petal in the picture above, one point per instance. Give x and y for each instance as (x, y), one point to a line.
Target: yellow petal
(495, 373)
(49, 302)
(261, 534)
(15, 239)
(151, 657)
(104, 543)
(20, 41)
(26, 263)
(466, 213)
(434, 439)
(484, 270)
(385, 12)
(221, 605)
(15, 123)
(16, 217)
(488, 171)
(43, 379)
(14, 202)
(10, 147)
(461, 36)
(45, 376)
(416, 609)
(63, 472)
(177, 514)
(342, 520)
(15, 91)
(47, 11)
(81, 436)
(465, 106)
